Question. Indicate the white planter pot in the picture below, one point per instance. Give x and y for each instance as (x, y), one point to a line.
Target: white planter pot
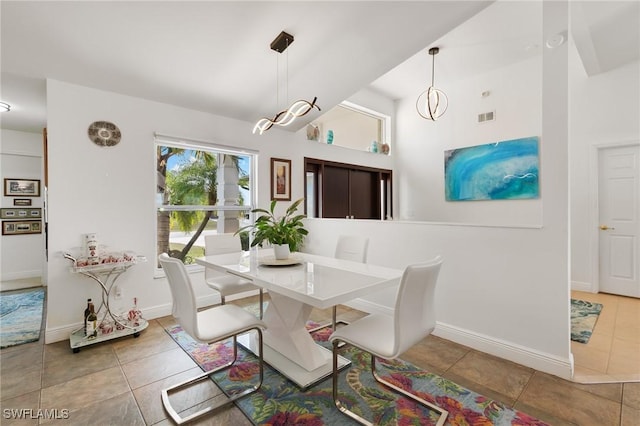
(281, 251)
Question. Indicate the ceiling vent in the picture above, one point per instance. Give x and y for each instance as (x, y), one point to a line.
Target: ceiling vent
(486, 116)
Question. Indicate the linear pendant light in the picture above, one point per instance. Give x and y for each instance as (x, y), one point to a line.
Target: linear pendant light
(298, 108)
(432, 103)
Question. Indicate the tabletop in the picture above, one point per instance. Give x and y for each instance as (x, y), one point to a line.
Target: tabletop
(319, 281)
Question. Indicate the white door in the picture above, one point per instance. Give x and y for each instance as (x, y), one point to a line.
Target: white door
(618, 201)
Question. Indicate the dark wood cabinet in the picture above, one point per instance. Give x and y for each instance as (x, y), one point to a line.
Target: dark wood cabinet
(346, 190)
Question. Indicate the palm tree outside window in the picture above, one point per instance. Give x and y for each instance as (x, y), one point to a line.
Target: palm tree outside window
(200, 190)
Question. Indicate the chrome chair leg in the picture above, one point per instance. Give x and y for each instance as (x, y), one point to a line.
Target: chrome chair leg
(333, 324)
(206, 375)
(443, 413)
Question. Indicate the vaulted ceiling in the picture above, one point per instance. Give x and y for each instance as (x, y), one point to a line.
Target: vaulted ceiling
(214, 56)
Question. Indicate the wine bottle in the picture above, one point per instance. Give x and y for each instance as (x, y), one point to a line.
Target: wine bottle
(86, 314)
(92, 323)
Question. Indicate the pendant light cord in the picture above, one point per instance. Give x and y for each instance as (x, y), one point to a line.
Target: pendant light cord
(433, 68)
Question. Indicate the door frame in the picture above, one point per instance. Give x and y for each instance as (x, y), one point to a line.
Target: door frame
(594, 202)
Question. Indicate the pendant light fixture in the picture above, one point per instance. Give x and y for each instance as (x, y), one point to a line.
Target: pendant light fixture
(432, 103)
(298, 108)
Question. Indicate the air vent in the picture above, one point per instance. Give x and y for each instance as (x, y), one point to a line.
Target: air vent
(486, 116)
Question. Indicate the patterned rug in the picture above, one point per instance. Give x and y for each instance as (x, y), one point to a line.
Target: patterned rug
(20, 316)
(583, 319)
(279, 402)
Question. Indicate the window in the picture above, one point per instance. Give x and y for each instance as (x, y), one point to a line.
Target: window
(201, 189)
(354, 126)
(340, 190)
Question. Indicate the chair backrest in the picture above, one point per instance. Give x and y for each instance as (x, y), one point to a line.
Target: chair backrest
(220, 244)
(352, 247)
(415, 316)
(184, 309)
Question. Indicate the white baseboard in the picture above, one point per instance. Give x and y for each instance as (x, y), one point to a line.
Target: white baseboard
(510, 351)
(528, 357)
(582, 286)
(57, 334)
(21, 275)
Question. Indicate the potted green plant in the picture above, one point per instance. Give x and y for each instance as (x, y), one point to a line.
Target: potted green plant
(285, 233)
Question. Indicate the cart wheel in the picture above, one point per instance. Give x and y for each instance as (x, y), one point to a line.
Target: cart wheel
(136, 334)
(76, 350)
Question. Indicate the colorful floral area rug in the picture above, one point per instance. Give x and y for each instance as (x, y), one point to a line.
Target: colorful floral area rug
(20, 316)
(280, 402)
(583, 319)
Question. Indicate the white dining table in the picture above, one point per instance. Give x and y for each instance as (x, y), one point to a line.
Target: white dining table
(295, 287)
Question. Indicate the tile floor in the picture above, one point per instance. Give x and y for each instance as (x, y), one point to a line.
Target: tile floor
(119, 382)
(613, 351)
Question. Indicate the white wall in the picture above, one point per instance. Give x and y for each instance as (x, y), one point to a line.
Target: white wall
(504, 287)
(111, 190)
(516, 95)
(504, 290)
(21, 158)
(605, 110)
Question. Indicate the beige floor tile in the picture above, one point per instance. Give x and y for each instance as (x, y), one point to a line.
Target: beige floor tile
(118, 410)
(435, 354)
(625, 357)
(587, 376)
(166, 322)
(591, 358)
(150, 403)
(611, 391)
(62, 364)
(155, 367)
(628, 330)
(598, 341)
(22, 357)
(19, 407)
(86, 390)
(567, 401)
(154, 339)
(19, 382)
(630, 416)
(502, 376)
(631, 395)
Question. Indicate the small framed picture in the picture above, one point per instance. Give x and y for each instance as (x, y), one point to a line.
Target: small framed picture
(21, 187)
(18, 227)
(280, 179)
(20, 213)
(22, 202)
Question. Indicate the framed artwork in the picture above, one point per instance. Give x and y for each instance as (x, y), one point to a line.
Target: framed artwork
(22, 202)
(280, 179)
(18, 227)
(20, 213)
(506, 170)
(21, 187)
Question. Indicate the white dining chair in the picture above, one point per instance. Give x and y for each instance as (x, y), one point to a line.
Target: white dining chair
(388, 336)
(227, 285)
(354, 248)
(348, 247)
(209, 326)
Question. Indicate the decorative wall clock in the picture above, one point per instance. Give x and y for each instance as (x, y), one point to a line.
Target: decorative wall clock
(104, 133)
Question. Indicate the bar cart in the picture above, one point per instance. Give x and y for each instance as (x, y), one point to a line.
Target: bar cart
(106, 273)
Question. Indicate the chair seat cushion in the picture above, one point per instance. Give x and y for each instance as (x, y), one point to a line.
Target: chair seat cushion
(373, 333)
(228, 284)
(224, 321)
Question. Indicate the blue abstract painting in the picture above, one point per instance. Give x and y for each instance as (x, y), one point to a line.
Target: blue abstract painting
(497, 171)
